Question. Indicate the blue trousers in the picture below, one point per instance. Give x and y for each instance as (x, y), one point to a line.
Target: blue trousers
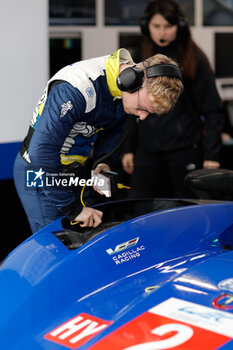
(38, 208)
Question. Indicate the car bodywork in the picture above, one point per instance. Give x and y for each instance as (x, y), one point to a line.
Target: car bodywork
(157, 274)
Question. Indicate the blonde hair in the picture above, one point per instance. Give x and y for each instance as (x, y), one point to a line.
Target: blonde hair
(163, 91)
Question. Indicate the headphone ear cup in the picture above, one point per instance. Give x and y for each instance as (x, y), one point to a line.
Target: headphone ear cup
(130, 79)
(183, 33)
(144, 25)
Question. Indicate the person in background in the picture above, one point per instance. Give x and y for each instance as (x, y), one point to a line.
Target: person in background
(161, 150)
(83, 108)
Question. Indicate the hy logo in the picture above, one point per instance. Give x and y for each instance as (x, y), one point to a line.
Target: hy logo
(35, 178)
(123, 246)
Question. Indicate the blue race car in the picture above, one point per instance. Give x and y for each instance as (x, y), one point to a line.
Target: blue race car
(156, 274)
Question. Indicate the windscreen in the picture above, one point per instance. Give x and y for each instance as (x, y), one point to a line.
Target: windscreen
(114, 213)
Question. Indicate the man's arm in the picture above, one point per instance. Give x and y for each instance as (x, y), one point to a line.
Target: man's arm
(51, 131)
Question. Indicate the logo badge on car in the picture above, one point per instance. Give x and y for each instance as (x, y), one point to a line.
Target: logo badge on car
(224, 301)
(123, 246)
(226, 284)
(77, 331)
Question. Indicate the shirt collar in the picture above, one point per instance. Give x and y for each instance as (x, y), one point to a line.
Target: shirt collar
(112, 65)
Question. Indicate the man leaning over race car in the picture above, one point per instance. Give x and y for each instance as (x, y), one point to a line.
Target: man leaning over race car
(81, 106)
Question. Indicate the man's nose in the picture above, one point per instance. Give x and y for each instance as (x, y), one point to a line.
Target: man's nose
(143, 115)
(162, 31)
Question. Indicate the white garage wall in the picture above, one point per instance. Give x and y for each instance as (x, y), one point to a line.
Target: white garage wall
(23, 63)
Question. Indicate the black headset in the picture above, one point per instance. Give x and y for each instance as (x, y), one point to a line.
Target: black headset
(131, 78)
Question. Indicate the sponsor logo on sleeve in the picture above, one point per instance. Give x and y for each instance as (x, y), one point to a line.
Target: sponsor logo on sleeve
(65, 107)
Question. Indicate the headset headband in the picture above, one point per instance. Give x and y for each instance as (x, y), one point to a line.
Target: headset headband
(131, 78)
(164, 69)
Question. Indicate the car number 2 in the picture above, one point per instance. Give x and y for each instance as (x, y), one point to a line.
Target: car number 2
(184, 333)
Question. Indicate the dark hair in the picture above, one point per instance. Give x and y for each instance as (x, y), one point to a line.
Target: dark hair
(187, 49)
